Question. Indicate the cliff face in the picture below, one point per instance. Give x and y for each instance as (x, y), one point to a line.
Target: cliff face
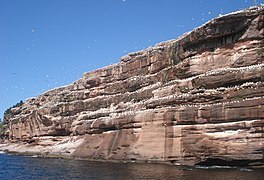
(195, 99)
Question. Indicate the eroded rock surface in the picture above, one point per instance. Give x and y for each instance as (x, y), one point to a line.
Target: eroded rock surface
(197, 98)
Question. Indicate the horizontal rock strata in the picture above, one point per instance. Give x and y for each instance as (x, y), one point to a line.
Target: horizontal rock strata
(186, 101)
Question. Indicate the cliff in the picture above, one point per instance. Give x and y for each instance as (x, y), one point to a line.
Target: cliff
(198, 99)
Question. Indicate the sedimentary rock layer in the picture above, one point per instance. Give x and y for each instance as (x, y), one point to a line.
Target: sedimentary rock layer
(191, 100)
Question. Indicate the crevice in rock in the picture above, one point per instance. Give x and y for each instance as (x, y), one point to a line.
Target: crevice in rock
(221, 162)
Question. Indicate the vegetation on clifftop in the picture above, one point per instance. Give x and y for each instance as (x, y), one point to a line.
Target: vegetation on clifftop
(7, 113)
(3, 128)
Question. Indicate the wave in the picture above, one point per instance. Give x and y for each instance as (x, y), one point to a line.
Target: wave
(223, 167)
(214, 167)
(2, 152)
(245, 169)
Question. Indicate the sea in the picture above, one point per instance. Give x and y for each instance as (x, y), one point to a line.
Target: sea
(32, 167)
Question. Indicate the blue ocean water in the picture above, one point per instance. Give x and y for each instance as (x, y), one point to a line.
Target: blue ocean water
(21, 167)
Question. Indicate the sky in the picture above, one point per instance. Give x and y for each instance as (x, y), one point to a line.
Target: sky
(50, 43)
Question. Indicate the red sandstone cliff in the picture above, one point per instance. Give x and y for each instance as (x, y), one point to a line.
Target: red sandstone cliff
(195, 99)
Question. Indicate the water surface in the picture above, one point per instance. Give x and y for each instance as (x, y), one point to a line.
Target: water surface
(21, 167)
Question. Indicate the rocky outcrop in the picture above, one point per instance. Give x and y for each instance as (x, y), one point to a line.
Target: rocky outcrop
(191, 100)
